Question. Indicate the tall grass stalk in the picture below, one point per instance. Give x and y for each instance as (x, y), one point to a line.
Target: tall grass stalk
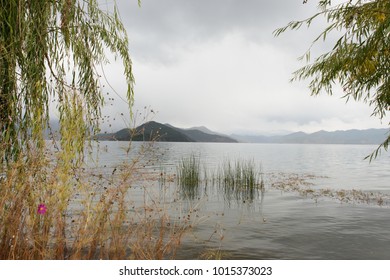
(189, 175)
(88, 214)
(241, 179)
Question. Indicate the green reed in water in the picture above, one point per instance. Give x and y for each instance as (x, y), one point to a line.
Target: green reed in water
(189, 175)
(241, 179)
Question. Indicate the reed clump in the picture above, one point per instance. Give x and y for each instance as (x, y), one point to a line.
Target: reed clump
(189, 175)
(241, 179)
(50, 211)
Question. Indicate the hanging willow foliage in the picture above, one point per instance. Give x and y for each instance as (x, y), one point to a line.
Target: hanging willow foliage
(50, 49)
(360, 58)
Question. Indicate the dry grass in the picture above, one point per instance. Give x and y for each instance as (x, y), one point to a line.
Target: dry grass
(215, 254)
(90, 215)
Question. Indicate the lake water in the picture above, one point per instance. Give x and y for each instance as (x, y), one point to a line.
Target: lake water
(279, 223)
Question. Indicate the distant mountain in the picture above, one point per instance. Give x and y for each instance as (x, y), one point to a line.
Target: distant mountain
(251, 138)
(203, 134)
(154, 131)
(150, 131)
(354, 136)
(199, 136)
(204, 129)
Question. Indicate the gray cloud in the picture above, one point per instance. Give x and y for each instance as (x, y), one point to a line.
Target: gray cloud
(159, 27)
(217, 63)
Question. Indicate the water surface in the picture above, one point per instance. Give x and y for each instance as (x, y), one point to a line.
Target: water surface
(277, 224)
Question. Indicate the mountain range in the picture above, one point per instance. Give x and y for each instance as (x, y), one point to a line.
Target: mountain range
(154, 131)
(353, 136)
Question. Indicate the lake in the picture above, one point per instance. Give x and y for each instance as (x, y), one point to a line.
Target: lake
(338, 207)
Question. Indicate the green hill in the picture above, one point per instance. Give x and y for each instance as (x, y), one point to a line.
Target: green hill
(154, 131)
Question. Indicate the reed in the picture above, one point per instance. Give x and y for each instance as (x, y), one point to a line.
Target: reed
(241, 179)
(189, 175)
(82, 214)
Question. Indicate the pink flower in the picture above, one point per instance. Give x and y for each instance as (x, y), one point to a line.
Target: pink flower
(42, 209)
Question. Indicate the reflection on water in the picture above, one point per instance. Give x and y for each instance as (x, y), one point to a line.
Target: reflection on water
(300, 221)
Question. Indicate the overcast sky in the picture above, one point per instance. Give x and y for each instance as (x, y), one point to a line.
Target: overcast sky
(216, 63)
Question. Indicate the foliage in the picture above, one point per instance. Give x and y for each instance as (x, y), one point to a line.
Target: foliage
(52, 206)
(51, 50)
(360, 58)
